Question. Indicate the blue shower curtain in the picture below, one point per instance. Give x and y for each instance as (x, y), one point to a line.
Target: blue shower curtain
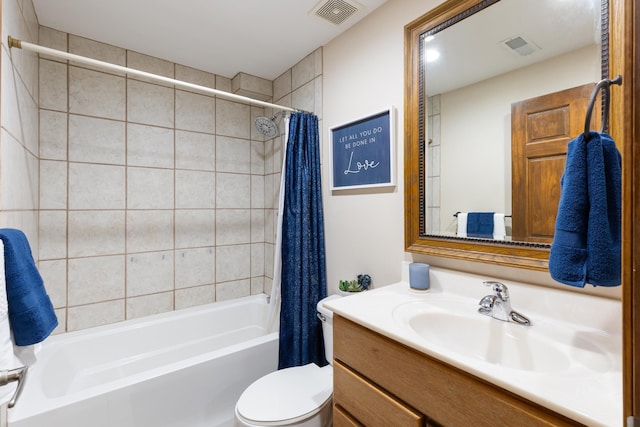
(303, 257)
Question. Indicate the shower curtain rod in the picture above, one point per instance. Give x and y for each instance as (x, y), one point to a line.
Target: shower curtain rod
(107, 65)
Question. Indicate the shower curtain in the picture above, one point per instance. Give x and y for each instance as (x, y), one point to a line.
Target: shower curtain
(273, 324)
(303, 275)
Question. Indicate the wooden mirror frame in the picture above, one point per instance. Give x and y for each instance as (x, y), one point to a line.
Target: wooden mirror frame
(507, 253)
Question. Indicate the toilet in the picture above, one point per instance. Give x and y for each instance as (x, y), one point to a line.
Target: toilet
(300, 396)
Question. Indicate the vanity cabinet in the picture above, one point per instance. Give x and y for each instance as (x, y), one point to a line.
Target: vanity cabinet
(380, 382)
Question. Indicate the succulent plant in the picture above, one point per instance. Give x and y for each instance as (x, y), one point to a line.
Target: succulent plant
(361, 284)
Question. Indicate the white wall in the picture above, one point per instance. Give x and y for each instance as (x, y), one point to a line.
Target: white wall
(363, 74)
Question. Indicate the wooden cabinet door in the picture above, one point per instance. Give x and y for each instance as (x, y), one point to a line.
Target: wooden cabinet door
(541, 128)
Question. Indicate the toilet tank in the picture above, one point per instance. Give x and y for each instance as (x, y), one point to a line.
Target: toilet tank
(326, 316)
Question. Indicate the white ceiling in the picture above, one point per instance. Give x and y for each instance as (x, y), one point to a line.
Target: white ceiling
(259, 37)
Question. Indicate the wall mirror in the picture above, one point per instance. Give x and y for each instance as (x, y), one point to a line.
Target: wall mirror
(486, 81)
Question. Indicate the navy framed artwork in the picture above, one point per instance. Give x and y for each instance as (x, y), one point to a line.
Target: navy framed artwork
(363, 152)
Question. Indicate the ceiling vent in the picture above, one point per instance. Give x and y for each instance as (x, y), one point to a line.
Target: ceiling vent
(520, 45)
(336, 11)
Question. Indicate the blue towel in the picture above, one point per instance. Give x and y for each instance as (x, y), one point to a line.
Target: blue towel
(586, 245)
(480, 224)
(31, 314)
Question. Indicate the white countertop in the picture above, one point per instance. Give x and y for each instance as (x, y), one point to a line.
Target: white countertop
(589, 394)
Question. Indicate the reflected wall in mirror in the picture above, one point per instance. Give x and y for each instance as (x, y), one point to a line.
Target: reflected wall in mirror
(470, 64)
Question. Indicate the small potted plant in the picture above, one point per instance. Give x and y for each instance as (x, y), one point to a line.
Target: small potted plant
(349, 287)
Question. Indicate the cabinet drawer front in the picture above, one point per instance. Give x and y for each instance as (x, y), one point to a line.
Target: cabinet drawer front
(446, 395)
(368, 404)
(342, 419)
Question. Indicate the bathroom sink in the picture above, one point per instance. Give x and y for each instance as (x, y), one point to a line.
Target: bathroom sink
(454, 325)
(569, 359)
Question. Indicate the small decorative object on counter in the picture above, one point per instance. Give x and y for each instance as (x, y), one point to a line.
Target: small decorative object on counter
(419, 276)
(347, 287)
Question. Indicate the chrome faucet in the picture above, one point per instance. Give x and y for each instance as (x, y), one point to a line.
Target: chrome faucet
(498, 305)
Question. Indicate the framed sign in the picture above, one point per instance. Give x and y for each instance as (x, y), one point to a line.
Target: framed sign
(362, 152)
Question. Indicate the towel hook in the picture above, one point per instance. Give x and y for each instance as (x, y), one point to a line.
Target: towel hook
(604, 85)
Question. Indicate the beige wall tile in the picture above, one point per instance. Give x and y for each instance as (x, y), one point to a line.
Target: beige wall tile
(257, 259)
(54, 39)
(108, 271)
(149, 304)
(52, 235)
(53, 135)
(195, 189)
(233, 262)
(149, 273)
(282, 85)
(17, 166)
(96, 186)
(150, 64)
(53, 85)
(198, 77)
(96, 140)
(54, 276)
(149, 188)
(96, 50)
(268, 259)
(257, 192)
(223, 83)
(194, 267)
(96, 94)
(231, 290)
(195, 112)
(87, 316)
(94, 233)
(233, 119)
(258, 157)
(303, 72)
(195, 151)
(195, 228)
(233, 155)
(257, 285)
(53, 177)
(191, 297)
(233, 191)
(303, 97)
(257, 225)
(233, 226)
(150, 146)
(150, 104)
(149, 230)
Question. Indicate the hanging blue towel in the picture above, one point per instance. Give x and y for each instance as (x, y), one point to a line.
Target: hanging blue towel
(586, 246)
(480, 224)
(31, 313)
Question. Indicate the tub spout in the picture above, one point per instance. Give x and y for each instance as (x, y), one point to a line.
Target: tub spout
(11, 375)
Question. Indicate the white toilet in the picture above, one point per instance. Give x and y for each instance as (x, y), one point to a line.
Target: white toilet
(298, 396)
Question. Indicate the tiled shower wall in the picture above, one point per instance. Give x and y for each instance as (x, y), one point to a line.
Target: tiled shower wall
(153, 198)
(19, 123)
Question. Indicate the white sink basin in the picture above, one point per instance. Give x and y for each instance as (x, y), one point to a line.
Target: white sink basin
(455, 325)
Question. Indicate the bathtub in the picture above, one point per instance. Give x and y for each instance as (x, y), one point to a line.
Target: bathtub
(185, 368)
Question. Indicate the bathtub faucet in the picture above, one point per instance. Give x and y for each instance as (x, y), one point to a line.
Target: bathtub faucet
(498, 305)
(11, 375)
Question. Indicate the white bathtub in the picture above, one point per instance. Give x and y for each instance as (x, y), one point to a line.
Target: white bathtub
(185, 368)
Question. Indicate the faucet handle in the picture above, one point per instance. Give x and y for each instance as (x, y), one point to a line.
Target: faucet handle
(499, 289)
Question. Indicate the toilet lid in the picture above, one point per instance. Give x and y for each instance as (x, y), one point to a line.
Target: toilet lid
(287, 394)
